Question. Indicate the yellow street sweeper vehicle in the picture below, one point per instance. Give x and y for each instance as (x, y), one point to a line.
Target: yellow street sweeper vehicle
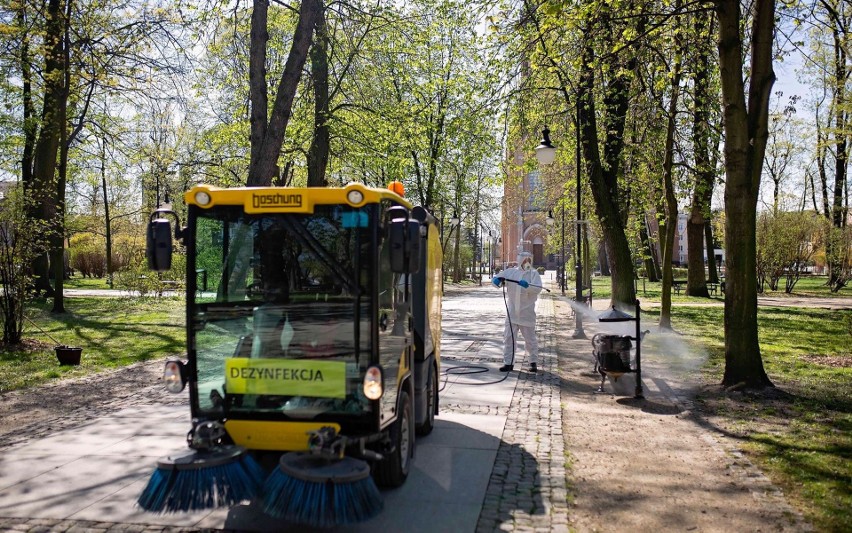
(313, 322)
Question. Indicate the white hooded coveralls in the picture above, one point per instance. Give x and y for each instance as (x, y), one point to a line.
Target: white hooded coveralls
(521, 318)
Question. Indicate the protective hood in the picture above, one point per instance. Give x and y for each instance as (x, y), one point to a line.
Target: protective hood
(525, 261)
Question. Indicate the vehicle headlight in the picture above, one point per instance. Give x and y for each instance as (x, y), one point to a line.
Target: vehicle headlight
(174, 375)
(202, 198)
(373, 383)
(355, 197)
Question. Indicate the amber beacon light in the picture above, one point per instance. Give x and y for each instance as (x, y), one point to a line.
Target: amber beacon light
(397, 187)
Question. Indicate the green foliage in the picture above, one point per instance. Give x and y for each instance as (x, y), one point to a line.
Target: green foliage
(20, 242)
(137, 280)
(88, 253)
(113, 332)
(88, 256)
(839, 256)
(786, 245)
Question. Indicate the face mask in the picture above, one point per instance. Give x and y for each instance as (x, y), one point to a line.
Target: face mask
(527, 266)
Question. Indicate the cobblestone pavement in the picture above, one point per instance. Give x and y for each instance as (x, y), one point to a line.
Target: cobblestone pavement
(527, 489)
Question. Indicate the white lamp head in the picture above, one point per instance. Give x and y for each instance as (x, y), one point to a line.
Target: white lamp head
(545, 152)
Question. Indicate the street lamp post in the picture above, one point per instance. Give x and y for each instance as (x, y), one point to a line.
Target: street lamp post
(493, 241)
(562, 255)
(560, 272)
(453, 223)
(546, 153)
(550, 221)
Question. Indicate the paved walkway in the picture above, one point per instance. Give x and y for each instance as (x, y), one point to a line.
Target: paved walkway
(487, 465)
(497, 459)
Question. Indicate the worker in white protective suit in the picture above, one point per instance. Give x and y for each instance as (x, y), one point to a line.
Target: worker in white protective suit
(522, 285)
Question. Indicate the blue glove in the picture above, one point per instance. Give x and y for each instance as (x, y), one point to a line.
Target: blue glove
(524, 283)
(498, 282)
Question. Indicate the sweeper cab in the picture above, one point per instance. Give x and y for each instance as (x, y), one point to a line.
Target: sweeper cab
(313, 330)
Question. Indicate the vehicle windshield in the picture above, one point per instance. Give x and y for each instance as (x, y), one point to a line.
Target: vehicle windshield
(280, 317)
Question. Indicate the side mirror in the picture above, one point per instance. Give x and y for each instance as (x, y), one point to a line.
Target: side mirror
(158, 247)
(404, 241)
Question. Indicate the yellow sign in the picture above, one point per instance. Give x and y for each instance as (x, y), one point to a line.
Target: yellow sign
(286, 377)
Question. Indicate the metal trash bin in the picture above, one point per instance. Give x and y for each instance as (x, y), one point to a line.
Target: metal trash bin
(612, 356)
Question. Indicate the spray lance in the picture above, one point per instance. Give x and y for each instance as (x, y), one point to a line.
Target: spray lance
(498, 281)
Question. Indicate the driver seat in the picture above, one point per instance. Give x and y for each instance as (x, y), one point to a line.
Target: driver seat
(272, 332)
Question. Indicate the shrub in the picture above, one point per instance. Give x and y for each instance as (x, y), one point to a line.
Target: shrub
(124, 249)
(90, 263)
(88, 255)
(21, 241)
(136, 279)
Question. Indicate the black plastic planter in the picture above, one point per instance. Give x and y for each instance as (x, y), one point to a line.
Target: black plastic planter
(68, 355)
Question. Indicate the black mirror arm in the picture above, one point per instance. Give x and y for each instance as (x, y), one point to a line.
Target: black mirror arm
(179, 231)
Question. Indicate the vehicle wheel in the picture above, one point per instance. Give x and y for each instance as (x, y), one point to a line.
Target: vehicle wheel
(392, 471)
(431, 399)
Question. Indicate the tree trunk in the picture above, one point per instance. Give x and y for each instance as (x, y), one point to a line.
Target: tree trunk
(702, 194)
(57, 252)
(57, 248)
(30, 128)
(264, 168)
(644, 240)
(604, 182)
(257, 77)
(457, 273)
(603, 261)
(42, 193)
(670, 199)
(107, 221)
(696, 279)
(841, 134)
(318, 152)
(745, 146)
(712, 269)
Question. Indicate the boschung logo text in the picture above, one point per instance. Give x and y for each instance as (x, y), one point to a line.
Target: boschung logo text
(260, 201)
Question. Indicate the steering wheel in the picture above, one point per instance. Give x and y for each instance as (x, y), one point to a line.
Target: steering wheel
(255, 291)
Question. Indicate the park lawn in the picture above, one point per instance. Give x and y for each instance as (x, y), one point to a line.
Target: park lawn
(652, 291)
(79, 282)
(800, 433)
(113, 332)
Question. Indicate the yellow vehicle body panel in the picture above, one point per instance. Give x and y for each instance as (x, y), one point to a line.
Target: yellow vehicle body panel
(256, 200)
(274, 436)
(434, 292)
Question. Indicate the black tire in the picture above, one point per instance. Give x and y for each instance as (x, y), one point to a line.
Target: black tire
(392, 471)
(431, 404)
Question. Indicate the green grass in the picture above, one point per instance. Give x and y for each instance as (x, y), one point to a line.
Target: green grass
(801, 432)
(113, 332)
(814, 286)
(79, 282)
